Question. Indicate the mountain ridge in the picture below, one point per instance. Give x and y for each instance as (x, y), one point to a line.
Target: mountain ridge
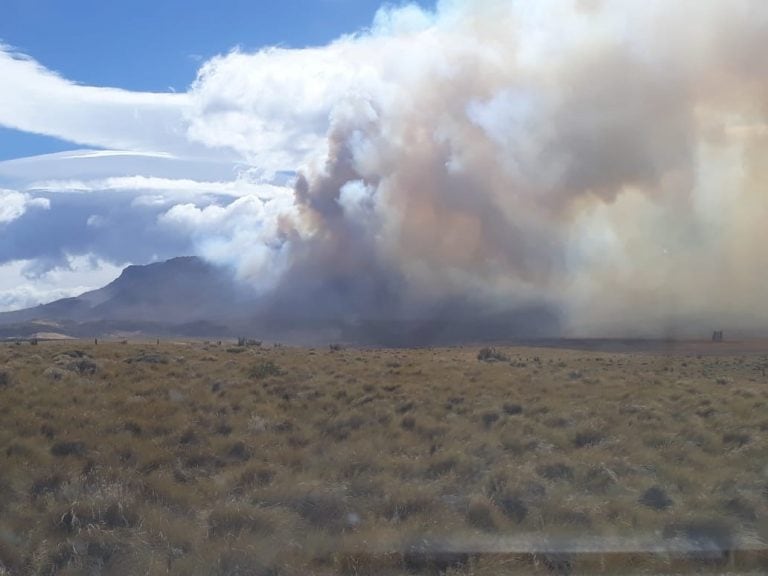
(152, 297)
(189, 297)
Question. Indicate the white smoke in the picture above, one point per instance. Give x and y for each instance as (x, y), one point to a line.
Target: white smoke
(606, 158)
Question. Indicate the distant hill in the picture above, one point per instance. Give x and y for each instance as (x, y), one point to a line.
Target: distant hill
(181, 296)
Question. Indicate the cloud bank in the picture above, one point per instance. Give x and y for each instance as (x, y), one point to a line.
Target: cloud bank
(604, 160)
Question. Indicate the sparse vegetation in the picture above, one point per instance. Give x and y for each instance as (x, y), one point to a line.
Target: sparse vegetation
(189, 459)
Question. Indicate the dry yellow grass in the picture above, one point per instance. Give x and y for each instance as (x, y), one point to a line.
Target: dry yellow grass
(190, 458)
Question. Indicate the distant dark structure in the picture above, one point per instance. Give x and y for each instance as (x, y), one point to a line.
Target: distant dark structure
(717, 336)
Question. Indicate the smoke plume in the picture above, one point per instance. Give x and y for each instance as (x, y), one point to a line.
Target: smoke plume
(603, 162)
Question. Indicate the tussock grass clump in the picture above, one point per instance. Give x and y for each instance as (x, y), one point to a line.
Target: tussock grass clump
(257, 476)
(404, 502)
(556, 471)
(264, 369)
(599, 480)
(232, 521)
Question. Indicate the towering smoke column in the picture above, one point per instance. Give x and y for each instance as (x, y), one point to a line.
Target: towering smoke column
(604, 161)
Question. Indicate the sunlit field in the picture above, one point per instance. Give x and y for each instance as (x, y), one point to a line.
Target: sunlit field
(207, 458)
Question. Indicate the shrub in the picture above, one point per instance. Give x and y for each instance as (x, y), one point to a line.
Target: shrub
(46, 485)
(325, 511)
(239, 451)
(405, 407)
(54, 373)
(188, 437)
(133, 428)
(68, 449)
(512, 409)
(491, 355)
(489, 418)
(656, 498)
(480, 515)
(588, 438)
(5, 379)
(736, 439)
(148, 358)
(514, 508)
(83, 366)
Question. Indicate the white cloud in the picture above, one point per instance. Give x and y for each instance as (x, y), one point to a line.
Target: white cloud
(35, 99)
(14, 204)
(80, 274)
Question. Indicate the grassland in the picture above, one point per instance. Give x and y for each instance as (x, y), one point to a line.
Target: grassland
(194, 458)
